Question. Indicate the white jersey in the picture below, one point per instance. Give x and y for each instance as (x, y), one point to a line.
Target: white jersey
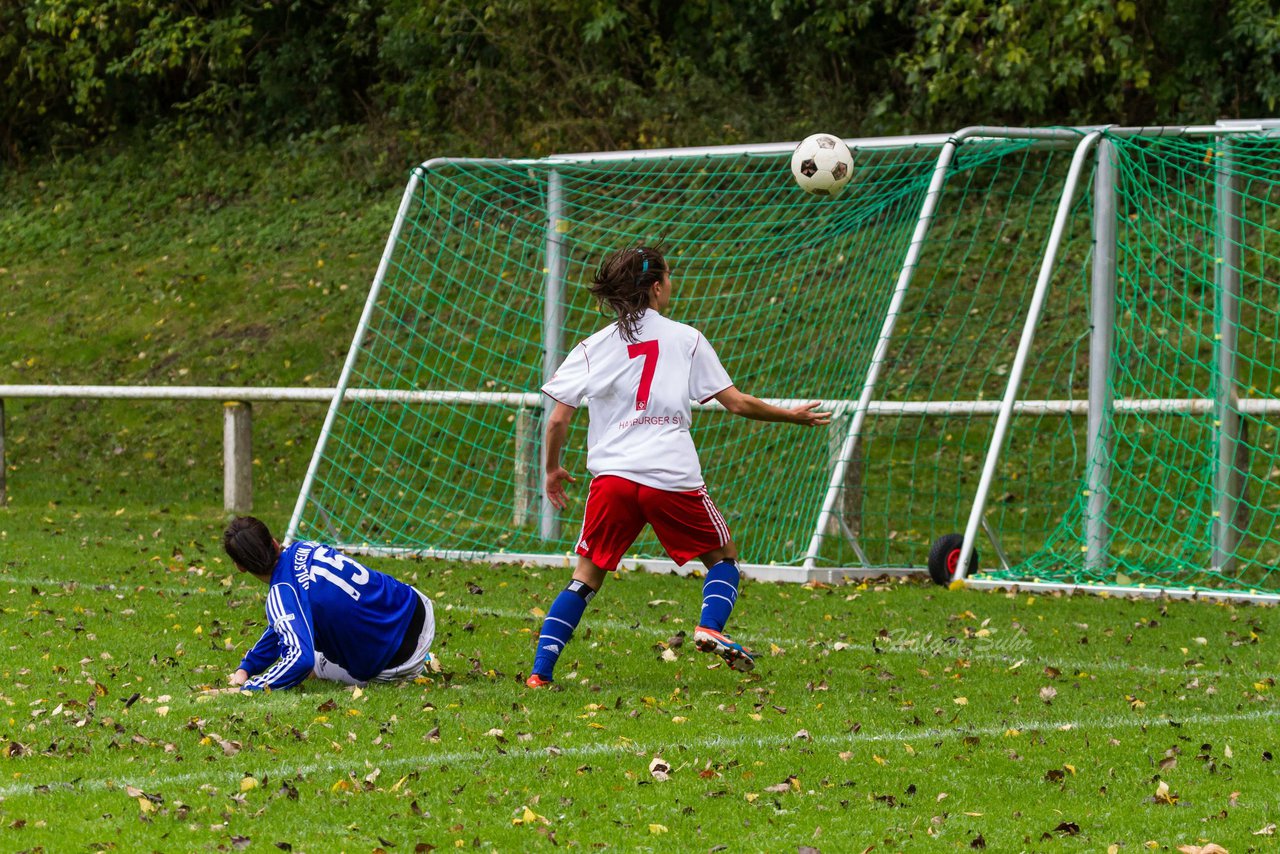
(638, 397)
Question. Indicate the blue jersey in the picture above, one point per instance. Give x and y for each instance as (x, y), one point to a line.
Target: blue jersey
(320, 599)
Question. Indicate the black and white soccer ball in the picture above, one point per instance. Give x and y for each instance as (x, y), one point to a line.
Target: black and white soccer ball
(822, 164)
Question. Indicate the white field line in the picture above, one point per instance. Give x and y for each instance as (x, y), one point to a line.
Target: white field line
(154, 783)
(927, 644)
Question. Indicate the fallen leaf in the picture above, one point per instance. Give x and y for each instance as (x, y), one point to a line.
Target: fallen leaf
(528, 816)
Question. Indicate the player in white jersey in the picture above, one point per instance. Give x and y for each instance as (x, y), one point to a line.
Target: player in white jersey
(639, 376)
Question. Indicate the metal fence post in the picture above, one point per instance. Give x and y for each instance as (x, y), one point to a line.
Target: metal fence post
(237, 457)
(526, 465)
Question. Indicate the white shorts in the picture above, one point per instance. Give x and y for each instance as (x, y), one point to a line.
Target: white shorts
(326, 669)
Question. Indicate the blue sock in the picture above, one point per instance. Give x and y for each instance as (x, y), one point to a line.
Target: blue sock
(719, 593)
(558, 627)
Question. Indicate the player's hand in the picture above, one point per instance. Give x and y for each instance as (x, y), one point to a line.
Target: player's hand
(556, 478)
(806, 417)
(238, 678)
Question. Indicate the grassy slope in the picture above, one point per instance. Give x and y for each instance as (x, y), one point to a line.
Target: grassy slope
(181, 264)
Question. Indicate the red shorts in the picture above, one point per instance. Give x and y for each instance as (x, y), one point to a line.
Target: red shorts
(688, 524)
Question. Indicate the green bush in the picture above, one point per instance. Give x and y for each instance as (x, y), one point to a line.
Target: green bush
(516, 77)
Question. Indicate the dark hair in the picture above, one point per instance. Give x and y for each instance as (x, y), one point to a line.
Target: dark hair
(623, 281)
(248, 542)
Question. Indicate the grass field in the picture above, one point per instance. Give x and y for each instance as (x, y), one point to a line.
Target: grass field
(893, 716)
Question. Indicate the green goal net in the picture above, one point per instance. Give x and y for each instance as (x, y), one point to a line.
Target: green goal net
(1188, 492)
(915, 277)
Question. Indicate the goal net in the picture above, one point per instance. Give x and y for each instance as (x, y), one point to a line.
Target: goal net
(1182, 486)
(900, 304)
(435, 448)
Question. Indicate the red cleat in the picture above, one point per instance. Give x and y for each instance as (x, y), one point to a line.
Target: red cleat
(737, 656)
(536, 681)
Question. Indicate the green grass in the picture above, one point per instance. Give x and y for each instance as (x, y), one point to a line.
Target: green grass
(1047, 723)
(175, 262)
(894, 715)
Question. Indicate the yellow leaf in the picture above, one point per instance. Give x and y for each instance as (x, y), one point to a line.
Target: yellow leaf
(248, 783)
(1070, 768)
(879, 760)
(537, 612)
(528, 816)
(961, 701)
(752, 797)
(146, 806)
(657, 829)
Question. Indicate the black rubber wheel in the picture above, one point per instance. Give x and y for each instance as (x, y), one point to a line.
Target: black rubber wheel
(944, 555)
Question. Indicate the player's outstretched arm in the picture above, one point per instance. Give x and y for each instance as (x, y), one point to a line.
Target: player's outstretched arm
(557, 435)
(748, 406)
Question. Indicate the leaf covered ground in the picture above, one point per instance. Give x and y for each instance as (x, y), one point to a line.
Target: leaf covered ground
(890, 714)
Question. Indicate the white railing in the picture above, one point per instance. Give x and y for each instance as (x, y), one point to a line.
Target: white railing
(237, 433)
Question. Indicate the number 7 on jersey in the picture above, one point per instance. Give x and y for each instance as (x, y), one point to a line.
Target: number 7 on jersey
(648, 350)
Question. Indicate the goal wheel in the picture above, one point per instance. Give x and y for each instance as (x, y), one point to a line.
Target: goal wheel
(944, 557)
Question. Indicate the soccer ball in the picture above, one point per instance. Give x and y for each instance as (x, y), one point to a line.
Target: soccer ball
(822, 164)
